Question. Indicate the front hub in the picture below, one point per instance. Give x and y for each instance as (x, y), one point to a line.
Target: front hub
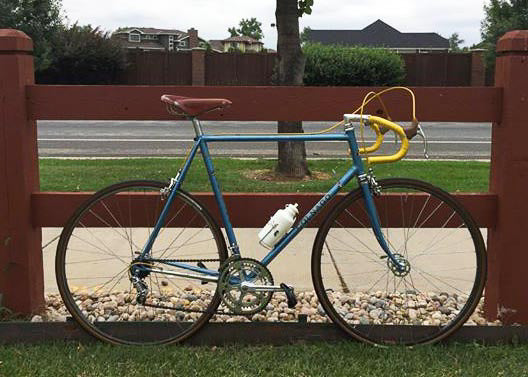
(405, 266)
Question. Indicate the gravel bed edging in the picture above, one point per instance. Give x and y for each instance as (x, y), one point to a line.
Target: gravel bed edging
(217, 334)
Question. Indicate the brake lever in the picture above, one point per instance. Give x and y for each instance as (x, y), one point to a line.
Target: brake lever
(421, 132)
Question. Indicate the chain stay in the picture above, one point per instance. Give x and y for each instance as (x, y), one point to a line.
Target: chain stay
(188, 310)
(184, 310)
(181, 260)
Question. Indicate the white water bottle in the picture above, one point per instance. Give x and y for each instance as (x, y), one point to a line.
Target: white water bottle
(278, 225)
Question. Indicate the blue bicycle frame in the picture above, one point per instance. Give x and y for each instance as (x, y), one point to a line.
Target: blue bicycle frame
(201, 142)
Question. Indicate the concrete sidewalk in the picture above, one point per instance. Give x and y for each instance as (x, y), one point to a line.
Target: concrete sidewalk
(292, 266)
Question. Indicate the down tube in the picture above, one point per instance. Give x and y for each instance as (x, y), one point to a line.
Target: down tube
(314, 211)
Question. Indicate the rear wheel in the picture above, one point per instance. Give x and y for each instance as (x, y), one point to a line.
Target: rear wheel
(431, 234)
(95, 262)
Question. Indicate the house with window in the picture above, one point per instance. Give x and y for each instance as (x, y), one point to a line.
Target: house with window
(240, 43)
(146, 38)
(379, 34)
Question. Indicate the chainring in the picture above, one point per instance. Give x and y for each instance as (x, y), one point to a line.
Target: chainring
(239, 301)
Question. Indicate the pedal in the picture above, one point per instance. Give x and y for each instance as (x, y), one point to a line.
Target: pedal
(290, 295)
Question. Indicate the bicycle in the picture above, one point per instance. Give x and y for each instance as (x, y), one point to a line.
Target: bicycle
(148, 254)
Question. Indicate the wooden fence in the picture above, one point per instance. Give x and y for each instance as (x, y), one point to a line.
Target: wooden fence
(24, 209)
(444, 69)
(158, 67)
(197, 68)
(200, 67)
(239, 69)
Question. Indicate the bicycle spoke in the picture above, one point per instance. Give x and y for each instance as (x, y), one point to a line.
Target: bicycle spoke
(435, 261)
(100, 284)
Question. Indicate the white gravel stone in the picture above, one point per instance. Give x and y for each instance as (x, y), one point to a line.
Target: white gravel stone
(36, 318)
(357, 307)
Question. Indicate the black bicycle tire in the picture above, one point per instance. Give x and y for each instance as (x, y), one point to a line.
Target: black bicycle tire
(481, 265)
(62, 247)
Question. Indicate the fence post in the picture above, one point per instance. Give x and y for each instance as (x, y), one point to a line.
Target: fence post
(507, 288)
(198, 66)
(21, 271)
(478, 71)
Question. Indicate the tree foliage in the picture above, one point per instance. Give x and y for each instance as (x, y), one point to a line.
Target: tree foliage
(83, 55)
(455, 42)
(250, 27)
(305, 7)
(305, 34)
(40, 19)
(501, 16)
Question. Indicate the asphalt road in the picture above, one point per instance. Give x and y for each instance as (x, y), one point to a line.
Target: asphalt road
(135, 139)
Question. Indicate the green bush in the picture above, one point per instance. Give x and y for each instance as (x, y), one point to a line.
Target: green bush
(352, 66)
(83, 55)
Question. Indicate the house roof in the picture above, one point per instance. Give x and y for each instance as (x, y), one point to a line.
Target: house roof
(379, 34)
(151, 30)
(216, 44)
(242, 38)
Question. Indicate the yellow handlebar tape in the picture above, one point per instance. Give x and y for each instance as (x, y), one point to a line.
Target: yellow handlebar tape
(404, 142)
(374, 122)
(374, 147)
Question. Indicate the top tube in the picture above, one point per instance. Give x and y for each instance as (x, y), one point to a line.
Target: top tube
(275, 137)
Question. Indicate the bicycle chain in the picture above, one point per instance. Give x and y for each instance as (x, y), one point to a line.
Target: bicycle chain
(182, 260)
(185, 310)
(189, 310)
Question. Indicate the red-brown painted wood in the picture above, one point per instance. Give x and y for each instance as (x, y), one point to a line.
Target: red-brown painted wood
(246, 210)
(21, 273)
(507, 288)
(24, 209)
(477, 104)
(13, 41)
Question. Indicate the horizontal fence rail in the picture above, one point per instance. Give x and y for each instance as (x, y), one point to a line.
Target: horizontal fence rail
(475, 104)
(52, 209)
(24, 209)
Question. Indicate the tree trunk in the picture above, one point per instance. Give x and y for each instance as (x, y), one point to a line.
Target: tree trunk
(290, 71)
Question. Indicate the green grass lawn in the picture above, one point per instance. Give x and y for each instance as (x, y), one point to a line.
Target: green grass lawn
(89, 175)
(317, 359)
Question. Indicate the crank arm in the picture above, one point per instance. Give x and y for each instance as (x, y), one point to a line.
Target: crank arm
(250, 287)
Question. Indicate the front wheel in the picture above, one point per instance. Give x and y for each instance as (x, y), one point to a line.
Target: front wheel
(435, 239)
(104, 285)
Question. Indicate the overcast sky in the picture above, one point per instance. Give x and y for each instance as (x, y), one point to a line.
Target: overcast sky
(213, 17)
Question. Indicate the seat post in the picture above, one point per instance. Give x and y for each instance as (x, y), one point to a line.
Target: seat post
(197, 126)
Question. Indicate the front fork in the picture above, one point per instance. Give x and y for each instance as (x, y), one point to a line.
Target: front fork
(370, 189)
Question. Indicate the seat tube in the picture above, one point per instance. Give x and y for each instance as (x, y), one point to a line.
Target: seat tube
(233, 245)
